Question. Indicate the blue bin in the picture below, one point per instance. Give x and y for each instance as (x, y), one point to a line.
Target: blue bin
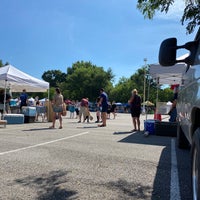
(149, 125)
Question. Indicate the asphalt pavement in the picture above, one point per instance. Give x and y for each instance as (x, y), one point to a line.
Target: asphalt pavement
(84, 161)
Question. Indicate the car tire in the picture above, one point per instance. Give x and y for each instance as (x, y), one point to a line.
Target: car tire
(182, 141)
(195, 165)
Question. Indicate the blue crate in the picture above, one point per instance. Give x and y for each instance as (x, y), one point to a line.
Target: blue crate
(14, 118)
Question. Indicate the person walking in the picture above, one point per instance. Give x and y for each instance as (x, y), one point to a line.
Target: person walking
(57, 104)
(135, 107)
(104, 106)
(113, 109)
(83, 109)
(98, 110)
(77, 108)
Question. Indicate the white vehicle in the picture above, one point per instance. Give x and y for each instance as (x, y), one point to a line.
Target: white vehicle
(188, 106)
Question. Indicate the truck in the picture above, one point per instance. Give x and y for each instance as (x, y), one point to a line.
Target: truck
(188, 102)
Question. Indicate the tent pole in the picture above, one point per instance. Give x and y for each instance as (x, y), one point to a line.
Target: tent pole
(4, 102)
(157, 90)
(48, 106)
(148, 93)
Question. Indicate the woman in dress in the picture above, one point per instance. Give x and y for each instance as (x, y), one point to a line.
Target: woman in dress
(135, 105)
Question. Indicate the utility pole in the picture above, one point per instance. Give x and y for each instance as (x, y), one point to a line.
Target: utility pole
(144, 97)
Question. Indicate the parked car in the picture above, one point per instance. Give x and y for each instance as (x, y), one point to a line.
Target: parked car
(188, 104)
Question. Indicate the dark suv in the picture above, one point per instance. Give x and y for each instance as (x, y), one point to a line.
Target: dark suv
(188, 105)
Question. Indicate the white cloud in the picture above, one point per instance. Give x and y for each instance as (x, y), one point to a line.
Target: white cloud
(175, 11)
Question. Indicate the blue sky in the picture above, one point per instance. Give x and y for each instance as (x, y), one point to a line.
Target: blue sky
(41, 35)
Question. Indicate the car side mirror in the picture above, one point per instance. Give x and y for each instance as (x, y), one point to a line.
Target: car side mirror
(168, 48)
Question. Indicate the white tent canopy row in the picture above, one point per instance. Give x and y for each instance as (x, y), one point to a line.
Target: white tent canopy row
(16, 80)
(168, 75)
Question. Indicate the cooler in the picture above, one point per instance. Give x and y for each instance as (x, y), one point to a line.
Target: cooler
(149, 125)
(29, 113)
(14, 118)
(166, 128)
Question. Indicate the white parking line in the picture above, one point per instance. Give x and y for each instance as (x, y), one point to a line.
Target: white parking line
(42, 144)
(174, 186)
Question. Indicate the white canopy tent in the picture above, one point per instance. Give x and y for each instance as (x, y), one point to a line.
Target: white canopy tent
(171, 75)
(168, 75)
(16, 80)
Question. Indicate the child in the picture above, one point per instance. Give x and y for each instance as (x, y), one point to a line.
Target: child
(72, 109)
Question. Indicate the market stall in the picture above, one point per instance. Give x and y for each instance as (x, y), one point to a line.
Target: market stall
(15, 80)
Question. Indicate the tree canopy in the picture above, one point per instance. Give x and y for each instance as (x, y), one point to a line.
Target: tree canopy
(1, 63)
(54, 77)
(84, 79)
(191, 13)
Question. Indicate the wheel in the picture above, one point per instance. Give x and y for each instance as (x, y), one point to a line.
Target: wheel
(195, 165)
(182, 141)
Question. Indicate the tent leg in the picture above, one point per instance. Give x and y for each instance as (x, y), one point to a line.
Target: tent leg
(4, 102)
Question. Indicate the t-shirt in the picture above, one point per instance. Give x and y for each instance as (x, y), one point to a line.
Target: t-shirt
(136, 103)
(23, 98)
(104, 102)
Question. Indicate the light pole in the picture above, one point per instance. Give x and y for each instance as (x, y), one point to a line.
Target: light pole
(143, 110)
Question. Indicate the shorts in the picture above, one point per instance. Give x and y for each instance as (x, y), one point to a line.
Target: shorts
(135, 112)
(104, 109)
(57, 109)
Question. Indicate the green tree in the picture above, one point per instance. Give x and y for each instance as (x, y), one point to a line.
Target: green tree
(191, 14)
(122, 90)
(85, 79)
(165, 95)
(1, 63)
(54, 77)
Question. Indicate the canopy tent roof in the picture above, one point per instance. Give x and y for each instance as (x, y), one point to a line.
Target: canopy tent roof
(168, 75)
(16, 80)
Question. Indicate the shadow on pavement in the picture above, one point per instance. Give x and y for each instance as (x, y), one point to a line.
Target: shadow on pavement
(38, 129)
(87, 127)
(48, 186)
(129, 190)
(161, 188)
(139, 138)
(122, 132)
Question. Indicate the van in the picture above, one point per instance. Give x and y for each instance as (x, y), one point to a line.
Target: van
(188, 103)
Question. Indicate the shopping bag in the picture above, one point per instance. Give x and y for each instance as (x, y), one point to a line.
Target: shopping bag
(64, 112)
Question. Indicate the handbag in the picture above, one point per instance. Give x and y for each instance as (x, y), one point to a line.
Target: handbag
(64, 112)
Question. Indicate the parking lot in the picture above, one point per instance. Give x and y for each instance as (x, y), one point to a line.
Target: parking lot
(84, 161)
